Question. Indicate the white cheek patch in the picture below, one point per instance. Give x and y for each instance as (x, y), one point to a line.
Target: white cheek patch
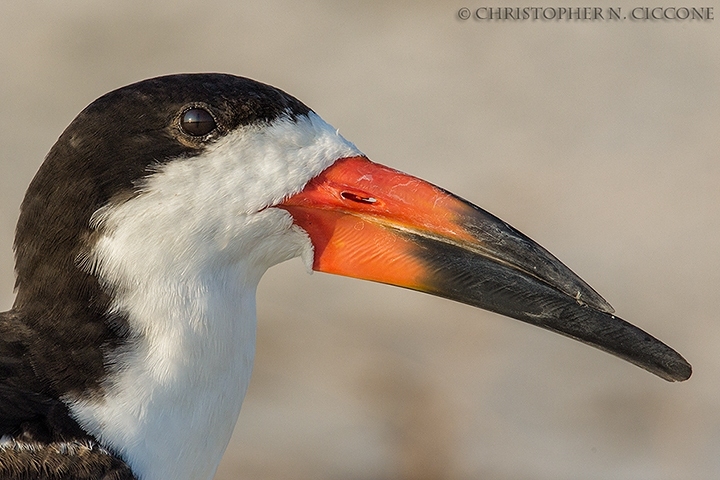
(195, 212)
(256, 166)
(183, 259)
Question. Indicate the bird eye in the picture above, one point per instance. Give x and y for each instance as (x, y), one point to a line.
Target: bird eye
(197, 122)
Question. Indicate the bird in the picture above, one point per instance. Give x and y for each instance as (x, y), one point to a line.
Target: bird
(142, 239)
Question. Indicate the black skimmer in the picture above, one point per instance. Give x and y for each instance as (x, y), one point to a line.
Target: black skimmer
(143, 237)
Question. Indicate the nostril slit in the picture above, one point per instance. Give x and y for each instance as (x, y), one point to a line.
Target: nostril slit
(357, 198)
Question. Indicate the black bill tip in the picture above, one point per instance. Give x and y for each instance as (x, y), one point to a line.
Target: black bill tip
(478, 280)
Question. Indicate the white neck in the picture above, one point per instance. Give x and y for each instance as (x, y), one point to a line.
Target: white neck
(173, 392)
(173, 400)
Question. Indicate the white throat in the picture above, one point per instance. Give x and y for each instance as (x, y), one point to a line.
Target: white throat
(183, 260)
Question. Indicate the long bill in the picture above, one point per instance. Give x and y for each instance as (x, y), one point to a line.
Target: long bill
(371, 222)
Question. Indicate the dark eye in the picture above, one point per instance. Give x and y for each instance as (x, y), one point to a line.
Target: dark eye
(197, 122)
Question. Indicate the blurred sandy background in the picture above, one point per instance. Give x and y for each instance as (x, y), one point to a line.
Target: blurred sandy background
(598, 139)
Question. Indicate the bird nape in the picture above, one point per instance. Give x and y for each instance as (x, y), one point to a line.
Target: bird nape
(142, 238)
